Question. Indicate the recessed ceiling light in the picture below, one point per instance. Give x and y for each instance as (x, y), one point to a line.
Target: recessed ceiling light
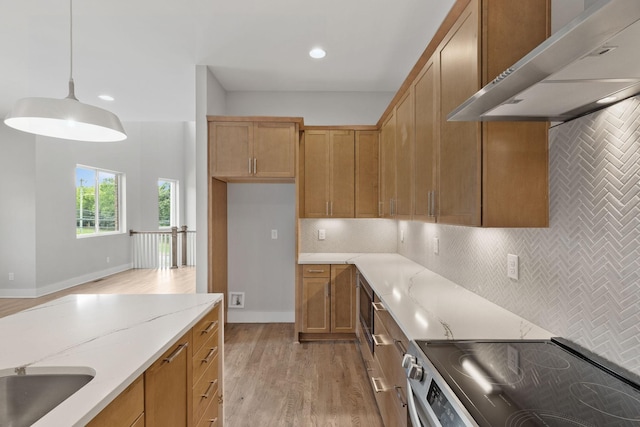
(317, 53)
(106, 97)
(606, 100)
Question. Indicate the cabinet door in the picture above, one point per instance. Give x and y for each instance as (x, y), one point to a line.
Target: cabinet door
(388, 169)
(342, 174)
(124, 410)
(460, 142)
(343, 299)
(167, 387)
(403, 205)
(274, 150)
(316, 174)
(316, 310)
(426, 142)
(367, 166)
(230, 150)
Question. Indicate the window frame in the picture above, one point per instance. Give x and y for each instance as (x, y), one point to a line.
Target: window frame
(120, 178)
(173, 209)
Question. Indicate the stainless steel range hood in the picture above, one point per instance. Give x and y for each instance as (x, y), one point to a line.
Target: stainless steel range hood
(595, 56)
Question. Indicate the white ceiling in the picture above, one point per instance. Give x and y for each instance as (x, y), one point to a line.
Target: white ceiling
(144, 52)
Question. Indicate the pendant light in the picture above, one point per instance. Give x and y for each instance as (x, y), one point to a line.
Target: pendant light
(66, 118)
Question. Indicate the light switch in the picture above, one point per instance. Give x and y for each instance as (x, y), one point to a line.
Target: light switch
(274, 234)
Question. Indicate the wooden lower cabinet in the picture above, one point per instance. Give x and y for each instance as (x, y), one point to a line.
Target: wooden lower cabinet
(182, 388)
(388, 379)
(167, 384)
(207, 397)
(328, 303)
(126, 410)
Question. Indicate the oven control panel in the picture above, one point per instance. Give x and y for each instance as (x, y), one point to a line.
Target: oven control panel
(442, 407)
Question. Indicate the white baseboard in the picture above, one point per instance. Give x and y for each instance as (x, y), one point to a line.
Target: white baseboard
(238, 315)
(65, 284)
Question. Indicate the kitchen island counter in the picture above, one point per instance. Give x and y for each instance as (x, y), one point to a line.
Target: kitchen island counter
(428, 306)
(115, 336)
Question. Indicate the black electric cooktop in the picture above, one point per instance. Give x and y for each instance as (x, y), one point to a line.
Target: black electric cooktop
(534, 383)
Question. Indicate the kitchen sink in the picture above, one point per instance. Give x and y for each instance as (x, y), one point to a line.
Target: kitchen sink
(26, 395)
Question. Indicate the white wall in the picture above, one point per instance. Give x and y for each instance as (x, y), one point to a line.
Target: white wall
(17, 212)
(261, 267)
(317, 108)
(38, 176)
(210, 100)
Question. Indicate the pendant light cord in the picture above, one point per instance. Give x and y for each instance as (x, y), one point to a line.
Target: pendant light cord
(72, 94)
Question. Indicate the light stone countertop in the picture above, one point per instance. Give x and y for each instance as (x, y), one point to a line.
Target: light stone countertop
(116, 336)
(428, 306)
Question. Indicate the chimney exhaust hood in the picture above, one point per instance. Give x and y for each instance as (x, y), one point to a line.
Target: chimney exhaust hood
(595, 57)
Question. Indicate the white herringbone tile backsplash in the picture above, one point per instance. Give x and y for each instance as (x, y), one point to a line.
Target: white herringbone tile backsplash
(580, 278)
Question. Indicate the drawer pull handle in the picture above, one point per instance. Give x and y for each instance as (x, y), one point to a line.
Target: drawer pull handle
(400, 397)
(209, 389)
(212, 352)
(378, 306)
(175, 353)
(377, 340)
(315, 271)
(400, 347)
(377, 385)
(211, 326)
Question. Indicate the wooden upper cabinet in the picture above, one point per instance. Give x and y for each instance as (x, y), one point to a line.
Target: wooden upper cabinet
(403, 202)
(329, 174)
(367, 166)
(426, 142)
(247, 149)
(460, 143)
(274, 149)
(231, 149)
(490, 174)
(388, 167)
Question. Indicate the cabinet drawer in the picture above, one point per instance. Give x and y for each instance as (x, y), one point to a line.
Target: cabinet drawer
(205, 356)
(387, 350)
(206, 327)
(125, 409)
(210, 416)
(316, 270)
(139, 422)
(205, 391)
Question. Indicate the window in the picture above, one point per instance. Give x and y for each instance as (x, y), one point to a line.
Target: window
(167, 203)
(98, 201)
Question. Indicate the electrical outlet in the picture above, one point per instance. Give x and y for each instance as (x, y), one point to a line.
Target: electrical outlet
(436, 245)
(274, 234)
(512, 266)
(11, 276)
(108, 260)
(402, 235)
(321, 234)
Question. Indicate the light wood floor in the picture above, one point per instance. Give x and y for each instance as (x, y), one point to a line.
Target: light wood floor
(176, 281)
(272, 382)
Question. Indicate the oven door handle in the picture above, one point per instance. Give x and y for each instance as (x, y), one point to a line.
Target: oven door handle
(413, 413)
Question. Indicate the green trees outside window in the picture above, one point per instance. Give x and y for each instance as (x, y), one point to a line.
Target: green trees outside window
(167, 195)
(97, 201)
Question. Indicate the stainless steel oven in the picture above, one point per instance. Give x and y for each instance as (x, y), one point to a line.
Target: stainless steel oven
(524, 383)
(366, 311)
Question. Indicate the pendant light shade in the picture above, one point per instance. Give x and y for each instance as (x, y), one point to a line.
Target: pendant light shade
(66, 118)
